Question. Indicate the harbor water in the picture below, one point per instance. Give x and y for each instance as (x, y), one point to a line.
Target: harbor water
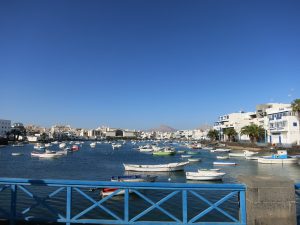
(103, 162)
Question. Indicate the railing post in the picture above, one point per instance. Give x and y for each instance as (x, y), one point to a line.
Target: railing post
(243, 217)
(13, 203)
(69, 205)
(126, 205)
(184, 206)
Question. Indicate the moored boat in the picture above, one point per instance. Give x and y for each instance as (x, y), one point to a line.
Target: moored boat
(222, 157)
(134, 178)
(224, 163)
(16, 153)
(74, 148)
(194, 159)
(220, 150)
(205, 175)
(280, 158)
(165, 152)
(93, 144)
(244, 154)
(47, 154)
(156, 168)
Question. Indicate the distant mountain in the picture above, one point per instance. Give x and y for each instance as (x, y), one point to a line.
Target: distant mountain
(163, 128)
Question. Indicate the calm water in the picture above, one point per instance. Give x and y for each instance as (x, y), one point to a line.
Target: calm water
(102, 162)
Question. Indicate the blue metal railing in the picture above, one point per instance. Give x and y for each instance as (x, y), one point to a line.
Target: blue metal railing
(194, 202)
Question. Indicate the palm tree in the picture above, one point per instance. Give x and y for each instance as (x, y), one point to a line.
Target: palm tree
(213, 135)
(254, 132)
(296, 107)
(231, 133)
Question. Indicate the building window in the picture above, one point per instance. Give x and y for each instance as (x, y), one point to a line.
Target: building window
(294, 124)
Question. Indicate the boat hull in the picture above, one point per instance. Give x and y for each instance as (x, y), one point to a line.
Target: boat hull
(277, 161)
(156, 168)
(208, 176)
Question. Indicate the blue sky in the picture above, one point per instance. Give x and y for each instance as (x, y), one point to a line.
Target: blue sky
(139, 64)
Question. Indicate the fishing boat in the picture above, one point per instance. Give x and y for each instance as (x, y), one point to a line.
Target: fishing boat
(222, 157)
(280, 158)
(134, 178)
(93, 144)
(181, 151)
(205, 175)
(47, 154)
(194, 159)
(18, 145)
(74, 148)
(224, 163)
(16, 153)
(220, 150)
(242, 154)
(192, 153)
(62, 145)
(156, 168)
(126, 178)
(114, 146)
(165, 152)
(146, 148)
(186, 156)
(108, 191)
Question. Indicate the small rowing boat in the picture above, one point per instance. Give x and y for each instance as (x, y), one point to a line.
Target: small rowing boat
(224, 163)
(156, 168)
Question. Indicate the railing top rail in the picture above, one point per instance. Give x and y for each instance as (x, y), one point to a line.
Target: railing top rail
(154, 185)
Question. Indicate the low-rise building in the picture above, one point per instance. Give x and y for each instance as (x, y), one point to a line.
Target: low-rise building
(5, 126)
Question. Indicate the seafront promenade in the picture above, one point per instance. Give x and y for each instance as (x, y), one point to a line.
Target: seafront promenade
(257, 200)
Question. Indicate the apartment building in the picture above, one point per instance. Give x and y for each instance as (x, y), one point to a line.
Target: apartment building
(237, 121)
(282, 125)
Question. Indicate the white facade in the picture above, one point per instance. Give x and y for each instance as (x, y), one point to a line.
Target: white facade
(5, 126)
(283, 125)
(236, 121)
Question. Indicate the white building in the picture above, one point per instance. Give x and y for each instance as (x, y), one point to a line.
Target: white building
(283, 125)
(5, 126)
(237, 121)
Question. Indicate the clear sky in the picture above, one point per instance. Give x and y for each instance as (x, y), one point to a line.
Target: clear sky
(139, 64)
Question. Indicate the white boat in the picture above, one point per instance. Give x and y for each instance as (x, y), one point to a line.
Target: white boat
(186, 156)
(16, 153)
(48, 145)
(280, 158)
(108, 191)
(39, 146)
(242, 154)
(205, 175)
(18, 145)
(46, 154)
(222, 157)
(62, 145)
(224, 163)
(157, 167)
(116, 146)
(252, 157)
(194, 159)
(146, 148)
(93, 144)
(220, 150)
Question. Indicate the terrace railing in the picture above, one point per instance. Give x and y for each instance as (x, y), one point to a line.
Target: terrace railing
(73, 201)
